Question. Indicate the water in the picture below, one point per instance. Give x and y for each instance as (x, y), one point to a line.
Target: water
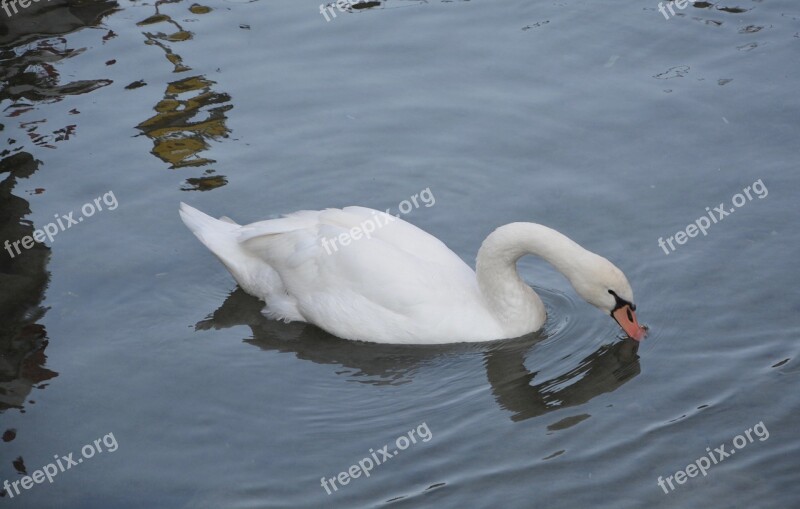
(607, 122)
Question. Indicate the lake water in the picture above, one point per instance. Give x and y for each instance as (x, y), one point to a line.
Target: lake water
(611, 123)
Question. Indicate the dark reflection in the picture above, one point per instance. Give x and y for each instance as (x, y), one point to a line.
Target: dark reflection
(191, 113)
(49, 18)
(23, 281)
(370, 363)
(603, 371)
(331, 10)
(28, 74)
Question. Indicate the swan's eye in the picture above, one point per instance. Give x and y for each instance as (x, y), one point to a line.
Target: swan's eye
(622, 302)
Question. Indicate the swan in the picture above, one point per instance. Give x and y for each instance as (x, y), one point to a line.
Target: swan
(362, 274)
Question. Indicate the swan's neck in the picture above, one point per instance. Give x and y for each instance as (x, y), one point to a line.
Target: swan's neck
(515, 305)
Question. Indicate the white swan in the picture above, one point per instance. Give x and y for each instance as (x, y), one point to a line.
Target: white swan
(362, 274)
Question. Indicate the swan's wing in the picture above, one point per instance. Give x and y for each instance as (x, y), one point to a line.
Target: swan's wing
(330, 223)
(404, 236)
(400, 269)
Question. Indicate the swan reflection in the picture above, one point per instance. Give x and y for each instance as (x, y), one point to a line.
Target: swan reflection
(515, 388)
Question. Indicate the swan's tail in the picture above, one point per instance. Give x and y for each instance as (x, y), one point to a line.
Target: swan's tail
(221, 236)
(218, 235)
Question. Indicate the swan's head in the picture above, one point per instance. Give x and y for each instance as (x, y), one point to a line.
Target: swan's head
(605, 286)
(595, 279)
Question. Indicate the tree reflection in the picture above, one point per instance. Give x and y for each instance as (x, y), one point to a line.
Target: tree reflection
(23, 281)
(191, 112)
(29, 50)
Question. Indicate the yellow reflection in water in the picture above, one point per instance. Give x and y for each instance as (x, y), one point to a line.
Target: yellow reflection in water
(191, 113)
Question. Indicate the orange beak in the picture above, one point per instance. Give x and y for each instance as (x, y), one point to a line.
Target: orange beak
(626, 318)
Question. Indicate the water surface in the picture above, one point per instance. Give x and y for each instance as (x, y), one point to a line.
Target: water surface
(607, 122)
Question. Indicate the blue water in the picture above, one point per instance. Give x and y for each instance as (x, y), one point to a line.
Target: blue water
(604, 121)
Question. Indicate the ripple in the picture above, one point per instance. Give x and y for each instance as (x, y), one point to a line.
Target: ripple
(679, 71)
(554, 455)
(568, 422)
(561, 316)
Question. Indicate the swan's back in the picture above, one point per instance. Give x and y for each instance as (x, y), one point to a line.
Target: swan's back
(380, 288)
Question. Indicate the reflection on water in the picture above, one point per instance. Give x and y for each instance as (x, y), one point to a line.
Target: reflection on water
(191, 112)
(331, 10)
(601, 372)
(32, 76)
(23, 281)
(54, 17)
(369, 363)
(29, 75)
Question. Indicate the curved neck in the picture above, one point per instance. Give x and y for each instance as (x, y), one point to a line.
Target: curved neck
(518, 308)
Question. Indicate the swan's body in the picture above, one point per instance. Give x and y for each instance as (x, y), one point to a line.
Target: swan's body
(395, 283)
